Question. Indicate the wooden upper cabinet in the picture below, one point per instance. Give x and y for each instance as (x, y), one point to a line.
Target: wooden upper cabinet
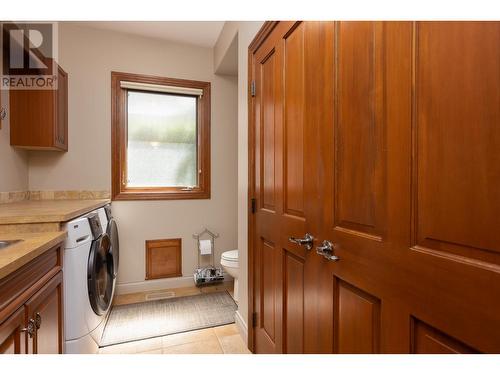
(39, 118)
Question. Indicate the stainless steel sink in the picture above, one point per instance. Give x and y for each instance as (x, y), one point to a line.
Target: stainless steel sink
(7, 243)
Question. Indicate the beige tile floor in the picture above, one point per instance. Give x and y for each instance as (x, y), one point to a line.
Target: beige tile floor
(217, 340)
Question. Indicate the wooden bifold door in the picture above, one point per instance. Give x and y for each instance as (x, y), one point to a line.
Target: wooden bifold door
(375, 187)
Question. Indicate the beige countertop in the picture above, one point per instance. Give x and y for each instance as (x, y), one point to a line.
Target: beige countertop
(32, 245)
(46, 211)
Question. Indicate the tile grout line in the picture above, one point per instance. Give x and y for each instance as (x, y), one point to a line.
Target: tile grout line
(219, 341)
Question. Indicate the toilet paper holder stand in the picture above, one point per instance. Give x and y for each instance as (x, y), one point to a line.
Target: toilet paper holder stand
(209, 274)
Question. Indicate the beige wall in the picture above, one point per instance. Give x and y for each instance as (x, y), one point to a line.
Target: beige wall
(89, 56)
(246, 32)
(227, 34)
(13, 161)
(226, 50)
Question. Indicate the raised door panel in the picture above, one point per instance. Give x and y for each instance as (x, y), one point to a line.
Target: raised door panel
(11, 334)
(294, 135)
(457, 138)
(163, 258)
(359, 128)
(293, 309)
(268, 131)
(428, 340)
(268, 289)
(357, 317)
(32, 118)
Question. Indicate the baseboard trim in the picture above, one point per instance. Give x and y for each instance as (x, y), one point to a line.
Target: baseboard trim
(151, 285)
(242, 326)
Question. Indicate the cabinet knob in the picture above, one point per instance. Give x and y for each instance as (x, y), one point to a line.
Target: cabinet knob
(38, 320)
(30, 328)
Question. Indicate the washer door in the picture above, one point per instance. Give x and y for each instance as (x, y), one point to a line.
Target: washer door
(112, 231)
(100, 274)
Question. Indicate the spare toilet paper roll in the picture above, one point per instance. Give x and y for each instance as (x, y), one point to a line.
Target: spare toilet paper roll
(205, 247)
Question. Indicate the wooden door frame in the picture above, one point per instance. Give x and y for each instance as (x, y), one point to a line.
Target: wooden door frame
(259, 38)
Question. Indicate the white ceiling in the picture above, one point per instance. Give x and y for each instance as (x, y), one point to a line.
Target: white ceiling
(199, 33)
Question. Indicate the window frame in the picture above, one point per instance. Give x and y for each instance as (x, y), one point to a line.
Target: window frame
(119, 190)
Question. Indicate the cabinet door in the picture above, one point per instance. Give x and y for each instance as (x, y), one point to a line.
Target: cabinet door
(12, 335)
(61, 110)
(45, 308)
(39, 118)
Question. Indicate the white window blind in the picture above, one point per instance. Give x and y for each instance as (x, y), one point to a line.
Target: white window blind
(161, 88)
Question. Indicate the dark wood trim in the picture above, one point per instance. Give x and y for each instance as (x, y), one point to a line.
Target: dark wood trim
(261, 35)
(170, 242)
(118, 132)
(250, 214)
(61, 122)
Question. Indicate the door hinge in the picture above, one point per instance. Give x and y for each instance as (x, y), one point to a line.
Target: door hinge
(254, 319)
(252, 88)
(254, 205)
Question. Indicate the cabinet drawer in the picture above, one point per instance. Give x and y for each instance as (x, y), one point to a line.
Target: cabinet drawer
(18, 287)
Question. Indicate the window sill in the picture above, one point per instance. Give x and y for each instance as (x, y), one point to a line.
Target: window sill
(143, 195)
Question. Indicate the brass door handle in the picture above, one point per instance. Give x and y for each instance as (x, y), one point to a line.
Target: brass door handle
(30, 328)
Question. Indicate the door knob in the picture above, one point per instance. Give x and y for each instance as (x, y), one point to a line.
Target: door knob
(326, 250)
(307, 241)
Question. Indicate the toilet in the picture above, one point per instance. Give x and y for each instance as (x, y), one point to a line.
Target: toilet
(229, 261)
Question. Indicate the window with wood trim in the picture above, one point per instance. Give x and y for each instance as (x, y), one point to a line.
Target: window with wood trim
(160, 138)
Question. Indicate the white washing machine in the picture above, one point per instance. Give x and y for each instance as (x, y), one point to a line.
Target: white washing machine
(112, 231)
(89, 282)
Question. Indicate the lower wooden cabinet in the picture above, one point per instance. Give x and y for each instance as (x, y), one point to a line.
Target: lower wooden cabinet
(12, 340)
(31, 307)
(43, 310)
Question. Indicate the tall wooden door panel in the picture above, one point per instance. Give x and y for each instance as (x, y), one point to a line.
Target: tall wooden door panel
(283, 144)
(454, 239)
(267, 237)
(354, 188)
(381, 140)
(409, 201)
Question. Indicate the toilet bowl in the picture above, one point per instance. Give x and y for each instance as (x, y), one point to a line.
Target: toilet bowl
(229, 261)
